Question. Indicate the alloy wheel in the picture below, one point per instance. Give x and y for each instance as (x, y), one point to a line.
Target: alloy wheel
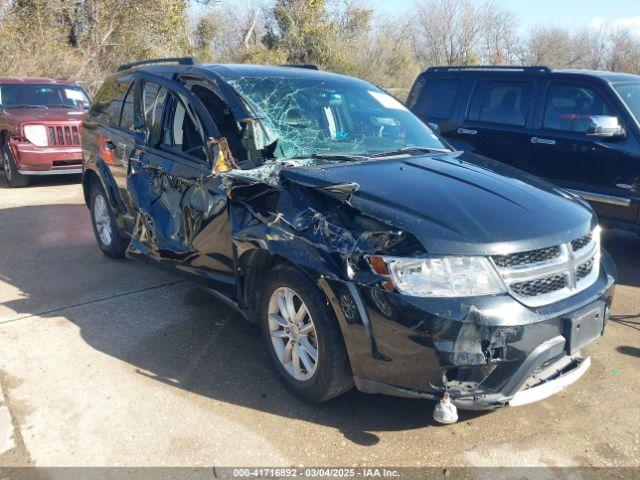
(293, 334)
(6, 166)
(102, 219)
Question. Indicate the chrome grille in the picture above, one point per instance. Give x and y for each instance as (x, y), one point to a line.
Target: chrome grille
(581, 242)
(526, 258)
(541, 286)
(64, 135)
(547, 275)
(584, 269)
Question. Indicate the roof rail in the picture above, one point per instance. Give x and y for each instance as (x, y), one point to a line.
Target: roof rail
(178, 60)
(308, 66)
(497, 68)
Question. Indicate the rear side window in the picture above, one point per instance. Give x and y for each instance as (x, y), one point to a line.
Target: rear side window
(108, 101)
(506, 103)
(126, 119)
(437, 98)
(153, 98)
(570, 107)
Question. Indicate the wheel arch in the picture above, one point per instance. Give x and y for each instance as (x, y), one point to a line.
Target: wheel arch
(255, 266)
(98, 172)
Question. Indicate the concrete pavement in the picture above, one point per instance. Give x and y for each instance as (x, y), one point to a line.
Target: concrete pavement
(111, 363)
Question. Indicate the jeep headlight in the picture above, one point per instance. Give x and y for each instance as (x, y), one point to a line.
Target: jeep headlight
(36, 134)
(445, 276)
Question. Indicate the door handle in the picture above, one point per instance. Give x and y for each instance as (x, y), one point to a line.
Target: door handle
(545, 141)
(466, 131)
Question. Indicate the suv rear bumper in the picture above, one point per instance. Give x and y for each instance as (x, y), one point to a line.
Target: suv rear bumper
(33, 160)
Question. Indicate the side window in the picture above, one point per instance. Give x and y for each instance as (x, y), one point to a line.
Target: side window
(108, 101)
(437, 98)
(126, 119)
(506, 103)
(153, 101)
(149, 97)
(569, 108)
(181, 134)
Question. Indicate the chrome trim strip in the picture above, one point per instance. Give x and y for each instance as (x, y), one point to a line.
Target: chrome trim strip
(597, 197)
(566, 264)
(68, 171)
(546, 389)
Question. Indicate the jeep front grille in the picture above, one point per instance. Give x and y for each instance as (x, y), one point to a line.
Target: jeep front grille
(64, 135)
(547, 275)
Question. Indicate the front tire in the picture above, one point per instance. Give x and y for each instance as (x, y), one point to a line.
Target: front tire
(303, 337)
(104, 224)
(14, 178)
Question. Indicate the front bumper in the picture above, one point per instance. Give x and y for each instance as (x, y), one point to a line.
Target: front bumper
(33, 160)
(486, 352)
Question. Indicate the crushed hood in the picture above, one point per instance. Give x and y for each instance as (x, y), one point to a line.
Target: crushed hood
(454, 206)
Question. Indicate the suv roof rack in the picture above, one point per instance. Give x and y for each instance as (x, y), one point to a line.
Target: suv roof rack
(178, 60)
(308, 66)
(497, 68)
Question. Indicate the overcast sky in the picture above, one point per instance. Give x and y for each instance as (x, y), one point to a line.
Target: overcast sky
(568, 13)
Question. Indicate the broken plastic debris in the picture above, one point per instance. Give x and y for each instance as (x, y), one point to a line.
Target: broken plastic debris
(445, 411)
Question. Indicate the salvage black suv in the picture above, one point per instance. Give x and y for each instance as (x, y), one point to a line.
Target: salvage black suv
(368, 250)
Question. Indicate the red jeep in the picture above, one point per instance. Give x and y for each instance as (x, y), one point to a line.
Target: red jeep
(40, 127)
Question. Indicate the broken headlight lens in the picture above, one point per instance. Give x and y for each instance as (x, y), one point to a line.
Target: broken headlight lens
(36, 134)
(446, 276)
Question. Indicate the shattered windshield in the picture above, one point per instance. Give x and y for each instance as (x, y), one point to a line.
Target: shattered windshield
(307, 117)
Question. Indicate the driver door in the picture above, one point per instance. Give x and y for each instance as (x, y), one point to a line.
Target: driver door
(182, 216)
(601, 170)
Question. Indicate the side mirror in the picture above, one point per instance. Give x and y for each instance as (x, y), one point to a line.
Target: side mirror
(433, 126)
(605, 126)
(220, 155)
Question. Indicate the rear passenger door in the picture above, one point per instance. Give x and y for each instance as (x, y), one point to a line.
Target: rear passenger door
(499, 117)
(112, 135)
(599, 169)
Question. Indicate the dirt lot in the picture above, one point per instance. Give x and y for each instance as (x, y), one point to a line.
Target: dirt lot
(112, 363)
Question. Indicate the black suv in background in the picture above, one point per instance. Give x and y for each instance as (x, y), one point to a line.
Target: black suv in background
(368, 251)
(577, 129)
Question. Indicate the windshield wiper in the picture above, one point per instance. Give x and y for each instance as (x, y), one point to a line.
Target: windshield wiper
(409, 151)
(25, 105)
(331, 156)
(62, 105)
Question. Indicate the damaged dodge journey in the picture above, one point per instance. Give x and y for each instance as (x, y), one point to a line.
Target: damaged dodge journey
(371, 253)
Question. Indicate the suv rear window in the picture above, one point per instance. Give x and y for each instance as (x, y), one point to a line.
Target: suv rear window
(437, 98)
(570, 107)
(506, 103)
(108, 101)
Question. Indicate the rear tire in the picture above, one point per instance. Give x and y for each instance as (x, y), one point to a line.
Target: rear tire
(14, 178)
(103, 221)
(293, 339)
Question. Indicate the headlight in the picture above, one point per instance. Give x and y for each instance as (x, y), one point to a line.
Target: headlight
(445, 276)
(36, 134)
